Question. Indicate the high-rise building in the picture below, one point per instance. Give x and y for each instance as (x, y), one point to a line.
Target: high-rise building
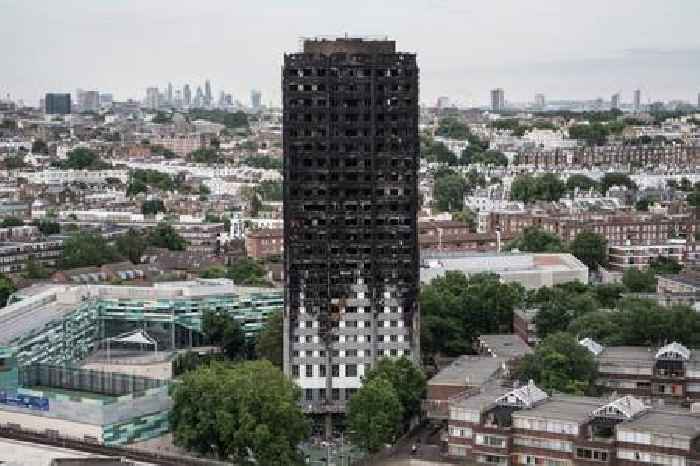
(106, 99)
(169, 96)
(615, 101)
(57, 104)
(207, 93)
(199, 98)
(637, 100)
(351, 146)
(187, 95)
(540, 101)
(255, 99)
(698, 99)
(88, 101)
(498, 100)
(443, 102)
(152, 98)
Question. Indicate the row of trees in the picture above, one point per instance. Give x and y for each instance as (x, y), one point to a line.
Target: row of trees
(588, 247)
(245, 271)
(82, 159)
(549, 187)
(91, 249)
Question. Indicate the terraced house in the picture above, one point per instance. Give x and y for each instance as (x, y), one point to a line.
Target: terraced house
(526, 426)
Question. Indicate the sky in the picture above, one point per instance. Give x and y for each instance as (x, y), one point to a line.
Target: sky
(561, 48)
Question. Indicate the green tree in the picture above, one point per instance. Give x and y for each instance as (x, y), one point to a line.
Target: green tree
(466, 216)
(590, 248)
(559, 363)
(546, 187)
(268, 343)
(535, 239)
(434, 151)
(8, 222)
(456, 309)
(49, 227)
(642, 205)
(616, 179)
(490, 157)
(408, 380)
(216, 271)
(581, 182)
(559, 306)
(164, 235)
(233, 120)
(35, 270)
(83, 159)
(87, 250)
(452, 128)
(222, 330)
(449, 192)
(246, 413)
(637, 281)
(39, 147)
(13, 162)
(263, 161)
(247, 271)
(152, 207)
(694, 198)
(665, 266)
(132, 245)
(374, 414)
(608, 295)
(205, 155)
(7, 287)
(597, 325)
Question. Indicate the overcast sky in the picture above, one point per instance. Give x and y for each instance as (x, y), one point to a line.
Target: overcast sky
(562, 48)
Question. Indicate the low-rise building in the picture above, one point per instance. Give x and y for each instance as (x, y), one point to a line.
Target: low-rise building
(265, 242)
(622, 257)
(530, 270)
(526, 426)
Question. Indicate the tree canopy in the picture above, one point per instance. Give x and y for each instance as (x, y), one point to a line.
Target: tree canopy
(456, 309)
(164, 235)
(545, 187)
(535, 239)
(268, 343)
(408, 381)
(616, 179)
(590, 248)
(7, 287)
(86, 250)
(581, 182)
(449, 192)
(82, 159)
(247, 271)
(247, 413)
(222, 330)
(559, 363)
(374, 414)
(233, 120)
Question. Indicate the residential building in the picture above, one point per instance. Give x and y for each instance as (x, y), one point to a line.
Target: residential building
(14, 254)
(524, 325)
(671, 372)
(498, 100)
(350, 236)
(526, 426)
(57, 104)
(638, 256)
(263, 243)
(88, 101)
(152, 98)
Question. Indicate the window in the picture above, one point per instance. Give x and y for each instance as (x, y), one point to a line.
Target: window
(335, 370)
(351, 353)
(309, 394)
(309, 370)
(322, 370)
(295, 371)
(351, 370)
(335, 394)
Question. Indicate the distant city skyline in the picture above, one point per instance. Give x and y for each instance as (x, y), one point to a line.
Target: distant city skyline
(564, 51)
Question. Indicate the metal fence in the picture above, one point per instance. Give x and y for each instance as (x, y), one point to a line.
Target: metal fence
(85, 380)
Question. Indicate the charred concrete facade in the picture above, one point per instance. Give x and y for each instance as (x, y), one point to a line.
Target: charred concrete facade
(351, 152)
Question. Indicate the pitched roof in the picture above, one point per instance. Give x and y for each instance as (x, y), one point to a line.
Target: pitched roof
(526, 396)
(673, 351)
(627, 407)
(592, 346)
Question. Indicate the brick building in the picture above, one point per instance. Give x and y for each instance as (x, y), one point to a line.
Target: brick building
(265, 242)
(526, 426)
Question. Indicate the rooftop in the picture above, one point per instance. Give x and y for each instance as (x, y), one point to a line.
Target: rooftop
(507, 346)
(469, 371)
(563, 407)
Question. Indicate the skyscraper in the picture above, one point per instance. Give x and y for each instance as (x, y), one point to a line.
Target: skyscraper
(498, 100)
(152, 98)
(615, 101)
(169, 96)
(351, 146)
(637, 100)
(540, 101)
(187, 95)
(199, 97)
(88, 101)
(207, 93)
(255, 99)
(57, 104)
